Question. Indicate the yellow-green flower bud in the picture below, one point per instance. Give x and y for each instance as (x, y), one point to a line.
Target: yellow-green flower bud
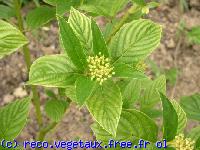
(100, 68)
(182, 143)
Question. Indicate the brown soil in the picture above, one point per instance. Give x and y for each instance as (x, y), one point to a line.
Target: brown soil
(76, 122)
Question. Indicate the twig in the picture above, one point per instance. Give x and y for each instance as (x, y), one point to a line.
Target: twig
(176, 64)
(27, 57)
(117, 27)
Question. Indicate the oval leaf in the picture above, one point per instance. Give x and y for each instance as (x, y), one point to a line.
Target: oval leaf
(105, 7)
(123, 70)
(39, 16)
(6, 12)
(182, 119)
(191, 105)
(151, 95)
(71, 44)
(81, 25)
(133, 124)
(84, 88)
(52, 71)
(105, 105)
(13, 118)
(99, 44)
(170, 119)
(10, 39)
(135, 41)
(55, 109)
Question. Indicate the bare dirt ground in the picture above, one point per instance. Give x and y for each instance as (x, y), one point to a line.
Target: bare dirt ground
(76, 122)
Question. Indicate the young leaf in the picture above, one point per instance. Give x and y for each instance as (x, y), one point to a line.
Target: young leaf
(84, 88)
(104, 8)
(13, 118)
(70, 92)
(6, 12)
(51, 2)
(55, 109)
(151, 93)
(105, 105)
(182, 119)
(139, 2)
(194, 35)
(135, 41)
(197, 145)
(10, 39)
(99, 44)
(194, 134)
(50, 93)
(171, 75)
(131, 93)
(170, 119)
(191, 105)
(52, 71)
(153, 4)
(71, 44)
(81, 25)
(40, 16)
(127, 71)
(7, 2)
(133, 124)
(152, 113)
(62, 7)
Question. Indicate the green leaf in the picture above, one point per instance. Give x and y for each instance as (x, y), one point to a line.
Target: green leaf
(55, 109)
(152, 113)
(171, 75)
(182, 119)
(40, 16)
(13, 118)
(6, 12)
(198, 144)
(70, 92)
(7, 2)
(137, 124)
(71, 44)
(17, 148)
(194, 134)
(105, 105)
(170, 119)
(154, 67)
(62, 7)
(64, 2)
(52, 71)
(191, 105)
(50, 93)
(104, 8)
(82, 27)
(99, 44)
(84, 88)
(151, 93)
(127, 71)
(131, 93)
(139, 2)
(133, 124)
(152, 4)
(51, 2)
(135, 41)
(10, 39)
(194, 35)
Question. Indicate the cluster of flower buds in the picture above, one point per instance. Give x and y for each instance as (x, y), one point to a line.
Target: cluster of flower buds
(182, 143)
(100, 68)
(141, 66)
